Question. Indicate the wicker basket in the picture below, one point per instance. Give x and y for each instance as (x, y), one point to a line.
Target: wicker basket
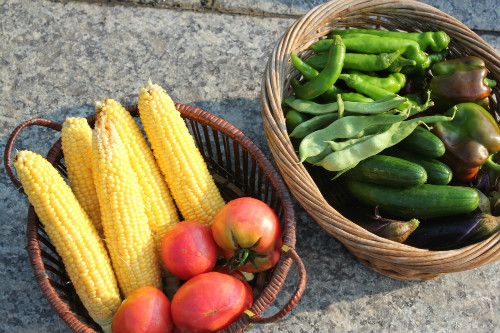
(319, 197)
(239, 169)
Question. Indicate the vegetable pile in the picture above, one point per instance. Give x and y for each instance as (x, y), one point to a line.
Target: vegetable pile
(123, 200)
(407, 131)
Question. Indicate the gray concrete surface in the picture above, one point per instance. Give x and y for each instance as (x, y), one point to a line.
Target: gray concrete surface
(57, 58)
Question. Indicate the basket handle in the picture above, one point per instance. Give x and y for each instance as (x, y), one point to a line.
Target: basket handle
(13, 138)
(294, 300)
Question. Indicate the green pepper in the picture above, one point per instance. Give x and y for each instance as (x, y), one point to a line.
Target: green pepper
(460, 80)
(436, 40)
(470, 138)
(359, 61)
(393, 82)
(375, 45)
(328, 76)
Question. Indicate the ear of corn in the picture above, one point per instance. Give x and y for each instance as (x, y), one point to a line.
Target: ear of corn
(188, 178)
(76, 137)
(73, 234)
(158, 203)
(126, 230)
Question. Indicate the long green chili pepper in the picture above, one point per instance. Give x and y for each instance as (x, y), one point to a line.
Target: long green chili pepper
(328, 76)
(393, 82)
(352, 155)
(364, 43)
(306, 70)
(313, 124)
(436, 40)
(313, 108)
(309, 73)
(401, 63)
(374, 44)
(344, 128)
(359, 61)
(361, 86)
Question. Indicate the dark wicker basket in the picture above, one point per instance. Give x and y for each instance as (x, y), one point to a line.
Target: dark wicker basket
(239, 169)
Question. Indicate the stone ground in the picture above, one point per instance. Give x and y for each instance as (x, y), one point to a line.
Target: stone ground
(57, 58)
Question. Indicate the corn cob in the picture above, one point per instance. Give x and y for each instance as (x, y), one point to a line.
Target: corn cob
(73, 234)
(76, 137)
(158, 203)
(126, 230)
(187, 175)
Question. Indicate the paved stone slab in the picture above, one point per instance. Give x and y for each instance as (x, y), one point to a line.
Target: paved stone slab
(484, 15)
(56, 59)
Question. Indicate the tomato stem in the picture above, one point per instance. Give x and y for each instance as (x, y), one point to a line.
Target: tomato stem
(242, 257)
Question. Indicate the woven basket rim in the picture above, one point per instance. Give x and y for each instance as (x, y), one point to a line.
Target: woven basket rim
(280, 272)
(388, 257)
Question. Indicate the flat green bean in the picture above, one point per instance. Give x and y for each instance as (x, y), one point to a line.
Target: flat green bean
(352, 155)
(382, 105)
(313, 124)
(344, 128)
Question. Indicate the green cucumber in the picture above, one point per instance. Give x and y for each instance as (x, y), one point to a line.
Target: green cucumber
(388, 170)
(420, 202)
(423, 142)
(437, 172)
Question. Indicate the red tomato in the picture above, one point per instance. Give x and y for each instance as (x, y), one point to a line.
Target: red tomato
(209, 302)
(146, 310)
(188, 249)
(241, 277)
(248, 231)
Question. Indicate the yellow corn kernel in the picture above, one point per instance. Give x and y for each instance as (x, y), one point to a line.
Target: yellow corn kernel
(76, 137)
(158, 203)
(73, 234)
(187, 175)
(126, 230)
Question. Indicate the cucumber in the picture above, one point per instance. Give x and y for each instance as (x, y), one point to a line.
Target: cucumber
(437, 172)
(388, 170)
(420, 202)
(423, 142)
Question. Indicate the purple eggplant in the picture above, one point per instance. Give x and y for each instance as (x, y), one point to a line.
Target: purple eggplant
(395, 230)
(454, 232)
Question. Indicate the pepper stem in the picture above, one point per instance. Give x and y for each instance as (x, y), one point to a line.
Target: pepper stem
(492, 164)
(489, 82)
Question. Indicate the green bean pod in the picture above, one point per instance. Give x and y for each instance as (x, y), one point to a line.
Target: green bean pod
(314, 108)
(436, 40)
(328, 76)
(349, 157)
(294, 118)
(344, 128)
(313, 124)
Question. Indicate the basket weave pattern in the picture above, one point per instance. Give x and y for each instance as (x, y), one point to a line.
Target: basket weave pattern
(387, 257)
(239, 169)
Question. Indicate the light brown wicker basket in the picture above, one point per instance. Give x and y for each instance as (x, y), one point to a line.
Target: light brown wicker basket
(239, 168)
(321, 198)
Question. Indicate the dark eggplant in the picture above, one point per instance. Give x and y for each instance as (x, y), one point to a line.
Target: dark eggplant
(395, 230)
(454, 232)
